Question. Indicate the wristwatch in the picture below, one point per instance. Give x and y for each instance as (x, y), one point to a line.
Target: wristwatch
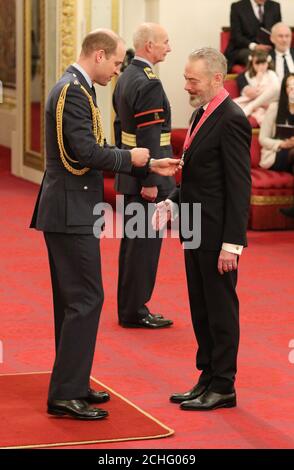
(150, 162)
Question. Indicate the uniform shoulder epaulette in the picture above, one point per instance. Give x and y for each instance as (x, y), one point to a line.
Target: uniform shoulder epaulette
(150, 74)
(76, 80)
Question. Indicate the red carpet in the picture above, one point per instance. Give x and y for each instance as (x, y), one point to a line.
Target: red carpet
(24, 422)
(147, 366)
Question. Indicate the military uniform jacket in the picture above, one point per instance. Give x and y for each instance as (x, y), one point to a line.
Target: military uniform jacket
(66, 201)
(143, 119)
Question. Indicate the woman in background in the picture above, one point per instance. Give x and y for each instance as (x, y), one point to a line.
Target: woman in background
(276, 135)
(259, 86)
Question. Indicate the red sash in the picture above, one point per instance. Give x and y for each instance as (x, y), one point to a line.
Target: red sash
(213, 105)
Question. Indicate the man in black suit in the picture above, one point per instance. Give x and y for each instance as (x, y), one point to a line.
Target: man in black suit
(283, 53)
(246, 20)
(143, 118)
(71, 187)
(216, 174)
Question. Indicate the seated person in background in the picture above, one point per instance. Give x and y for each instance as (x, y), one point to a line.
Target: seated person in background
(276, 135)
(283, 53)
(249, 21)
(130, 54)
(259, 85)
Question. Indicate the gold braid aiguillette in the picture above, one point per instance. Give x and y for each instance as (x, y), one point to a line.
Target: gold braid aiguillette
(97, 130)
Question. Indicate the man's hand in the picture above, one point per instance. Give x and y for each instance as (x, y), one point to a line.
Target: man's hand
(165, 166)
(251, 92)
(140, 156)
(262, 47)
(150, 194)
(162, 215)
(287, 143)
(227, 262)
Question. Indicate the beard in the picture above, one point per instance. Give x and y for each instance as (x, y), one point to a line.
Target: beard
(194, 101)
(197, 101)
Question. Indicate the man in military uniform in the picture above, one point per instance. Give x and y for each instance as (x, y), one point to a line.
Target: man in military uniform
(72, 186)
(143, 118)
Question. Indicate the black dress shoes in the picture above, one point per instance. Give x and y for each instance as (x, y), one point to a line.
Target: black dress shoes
(210, 401)
(157, 315)
(96, 397)
(150, 321)
(287, 211)
(78, 409)
(191, 395)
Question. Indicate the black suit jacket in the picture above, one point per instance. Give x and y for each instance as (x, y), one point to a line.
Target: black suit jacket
(216, 174)
(245, 26)
(142, 110)
(273, 55)
(65, 202)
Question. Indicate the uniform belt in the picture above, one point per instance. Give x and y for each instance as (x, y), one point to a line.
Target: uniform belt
(131, 141)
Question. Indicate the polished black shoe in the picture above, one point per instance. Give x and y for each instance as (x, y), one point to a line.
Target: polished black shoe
(96, 397)
(210, 401)
(148, 322)
(78, 409)
(157, 315)
(287, 211)
(191, 395)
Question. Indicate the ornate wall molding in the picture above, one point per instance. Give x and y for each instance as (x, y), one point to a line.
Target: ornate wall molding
(88, 9)
(68, 33)
(115, 15)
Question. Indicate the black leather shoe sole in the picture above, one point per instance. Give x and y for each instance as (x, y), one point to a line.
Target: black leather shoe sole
(150, 325)
(56, 412)
(208, 401)
(230, 404)
(90, 415)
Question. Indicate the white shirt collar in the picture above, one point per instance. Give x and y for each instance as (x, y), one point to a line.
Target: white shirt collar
(143, 60)
(84, 73)
(255, 7)
(281, 54)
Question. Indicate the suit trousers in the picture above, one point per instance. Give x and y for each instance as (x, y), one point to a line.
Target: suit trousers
(138, 263)
(215, 316)
(75, 267)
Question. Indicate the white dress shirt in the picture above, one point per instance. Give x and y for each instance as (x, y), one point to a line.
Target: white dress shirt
(255, 9)
(280, 63)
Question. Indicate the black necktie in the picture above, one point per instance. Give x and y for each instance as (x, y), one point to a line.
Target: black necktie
(260, 13)
(197, 118)
(286, 69)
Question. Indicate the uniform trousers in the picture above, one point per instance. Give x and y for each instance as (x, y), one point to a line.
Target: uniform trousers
(75, 267)
(138, 263)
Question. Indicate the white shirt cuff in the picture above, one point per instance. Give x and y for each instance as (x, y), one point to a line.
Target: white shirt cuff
(236, 249)
(174, 209)
(252, 46)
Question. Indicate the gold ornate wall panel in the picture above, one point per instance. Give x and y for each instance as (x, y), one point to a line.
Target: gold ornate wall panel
(34, 82)
(8, 43)
(88, 16)
(68, 34)
(115, 15)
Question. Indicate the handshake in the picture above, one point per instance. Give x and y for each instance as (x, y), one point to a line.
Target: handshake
(162, 166)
